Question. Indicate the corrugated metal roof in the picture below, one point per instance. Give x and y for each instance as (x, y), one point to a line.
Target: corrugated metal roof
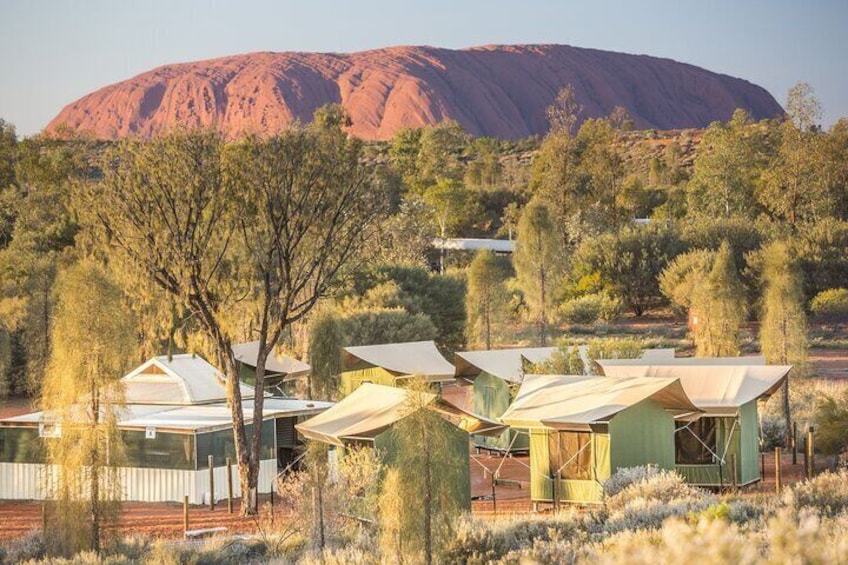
(182, 380)
(473, 244)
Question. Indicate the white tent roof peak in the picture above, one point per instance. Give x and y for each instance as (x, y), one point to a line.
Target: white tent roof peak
(718, 389)
(373, 408)
(576, 402)
(409, 358)
(181, 380)
(278, 363)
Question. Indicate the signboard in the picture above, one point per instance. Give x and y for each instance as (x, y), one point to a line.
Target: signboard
(150, 433)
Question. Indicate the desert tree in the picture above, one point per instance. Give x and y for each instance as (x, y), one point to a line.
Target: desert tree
(720, 306)
(325, 342)
(538, 264)
(487, 298)
(429, 471)
(92, 332)
(783, 325)
(305, 211)
(682, 276)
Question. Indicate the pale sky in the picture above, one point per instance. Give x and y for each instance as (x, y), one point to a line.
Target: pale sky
(55, 51)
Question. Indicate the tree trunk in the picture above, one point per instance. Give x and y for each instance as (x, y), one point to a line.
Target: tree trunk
(249, 503)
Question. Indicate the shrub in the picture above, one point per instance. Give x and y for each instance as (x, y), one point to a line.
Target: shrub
(591, 308)
(826, 494)
(627, 476)
(31, 546)
(773, 431)
(832, 425)
(661, 486)
(831, 304)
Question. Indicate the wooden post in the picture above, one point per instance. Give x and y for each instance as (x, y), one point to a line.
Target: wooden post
(185, 514)
(733, 472)
(810, 448)
(211, 482)
(794, 442)
(762, 464)
(229, 485)
(777, 478)
(494, 501)
(44, 518)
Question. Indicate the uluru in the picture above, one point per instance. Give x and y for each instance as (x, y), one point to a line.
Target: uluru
(498, 91)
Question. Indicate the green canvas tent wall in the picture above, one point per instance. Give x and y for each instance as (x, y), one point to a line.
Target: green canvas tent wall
(584, 428)
(494, 375)
(391, 363)
(368, 414)
(281, 370)
(728, 430)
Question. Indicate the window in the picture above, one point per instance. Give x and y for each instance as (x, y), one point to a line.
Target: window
(222, 445)
(696, 443)
(21, 445)
(571, 453)
(165, 451)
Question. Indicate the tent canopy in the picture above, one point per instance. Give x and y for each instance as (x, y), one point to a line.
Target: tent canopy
(716, 389)
(410, 358)
(656, 357)
(371, 409)
(506, 364)
(182, 380)
(576, 402)
(278, 363)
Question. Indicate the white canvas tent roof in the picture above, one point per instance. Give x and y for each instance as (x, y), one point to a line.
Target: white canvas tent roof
(373, 408)
(193, 418)
(649, 357)
(715, 389)
(409, 358)
(474, 244)
(278, 363)
(576, 402)
(505, 364)
(182, 380)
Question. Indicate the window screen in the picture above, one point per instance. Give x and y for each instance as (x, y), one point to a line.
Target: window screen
(571, 453)
(695, 444)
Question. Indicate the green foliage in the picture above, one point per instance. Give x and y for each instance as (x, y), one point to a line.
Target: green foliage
(826, 494)
(591, 308)
(326, 336)
(720, 308)
(629, 263)
(832, 424)
(538, 263)
(487, 299)
(372, 327)
(680, 279)
(830, 304)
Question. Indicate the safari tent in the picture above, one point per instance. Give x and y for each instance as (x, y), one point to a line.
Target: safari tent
(494, 375)
(281, 370)
(367, 415)
(584, 428)
(175, 417)
(728, 430)
(391, 363)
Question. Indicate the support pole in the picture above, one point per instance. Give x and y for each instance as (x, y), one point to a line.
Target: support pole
(229, 485)
(777, 477)
(494, 495)
(733, 472)
(44, 518)
(810, 448)
(794, 442)
(762, 464)
(211, 482)
(185, 514)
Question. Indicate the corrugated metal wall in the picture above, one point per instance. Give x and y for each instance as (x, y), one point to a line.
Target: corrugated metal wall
(24, 481)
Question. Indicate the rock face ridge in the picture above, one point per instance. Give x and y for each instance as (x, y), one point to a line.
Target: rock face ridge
(499, 91)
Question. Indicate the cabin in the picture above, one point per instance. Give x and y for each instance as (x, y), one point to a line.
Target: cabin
(174, 418)
(585, 428)
(727, 391)
(281, 371)
(495, 376)
(368, 414)
(391, 364)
